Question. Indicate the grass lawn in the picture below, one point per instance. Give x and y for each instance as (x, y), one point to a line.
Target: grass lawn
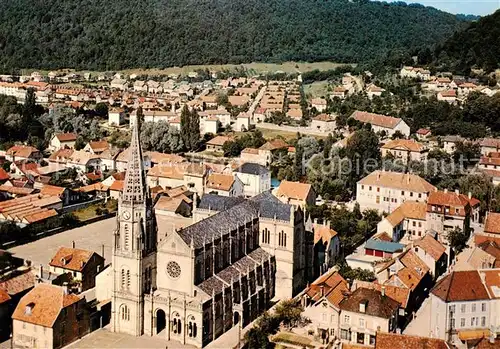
(292, 338)
(89, 212)
(316, 89)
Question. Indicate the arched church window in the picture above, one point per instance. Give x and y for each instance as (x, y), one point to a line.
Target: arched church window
(176, 324)
(125, 312)
(192, 328)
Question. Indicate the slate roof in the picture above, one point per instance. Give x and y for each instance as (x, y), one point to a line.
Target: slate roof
(219, 203)
(271, 207)
(251, 168)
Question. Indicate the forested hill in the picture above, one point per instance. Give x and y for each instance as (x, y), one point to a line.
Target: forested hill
(478, 45)
(117, 34)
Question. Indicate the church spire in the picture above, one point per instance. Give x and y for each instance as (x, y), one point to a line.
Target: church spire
(134, 188)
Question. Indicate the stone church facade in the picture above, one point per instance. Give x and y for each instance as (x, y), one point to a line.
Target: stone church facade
(196, 283)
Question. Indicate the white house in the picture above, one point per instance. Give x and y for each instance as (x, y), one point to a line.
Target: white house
(380, 123)
(116, 116)
(256, 178)
(62, 140)
(224, 184)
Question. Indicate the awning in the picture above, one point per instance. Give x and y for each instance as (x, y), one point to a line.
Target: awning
(473, 334)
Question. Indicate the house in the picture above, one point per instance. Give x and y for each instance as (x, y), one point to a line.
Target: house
(179, 205)
(216, 143)
(116, 116)
(295, 193)
(449, 96)
(119, 84)
(339, 92)
(400, 294)
(210, 124)
(408, 220)
(432, 253)
(324, 123)
(423, 134)
(22, 152)
(380, 123)
(256, 178)
(386, 191)
(374, 91)
(191, 175)
(482, 255)
(62, 140)
(364, 313)
(489, 145)
(97, 147)
(326, 246)
(321, 303)
(224, 184)
(381, 248)
(405, 150)
(66, 195)
(83, 265)
(319, 104)
(48, 317)
(294, 113)
(400, 341)
(464, 303)
(449, 210)
(239, 101)
(84, 161)
(450, 143)
(243, 122)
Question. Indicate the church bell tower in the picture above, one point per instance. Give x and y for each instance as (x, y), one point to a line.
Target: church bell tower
(134, 246)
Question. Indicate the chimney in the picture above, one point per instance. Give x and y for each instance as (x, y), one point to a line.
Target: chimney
(73, 243)
(65, 287)
(446, 191)
(322, 288)
(173, 107)
(469, 195)
(457, 191)
(383, 291)
(102, 250)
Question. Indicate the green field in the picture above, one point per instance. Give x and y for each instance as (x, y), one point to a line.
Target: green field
(253, 68)
(316, 89)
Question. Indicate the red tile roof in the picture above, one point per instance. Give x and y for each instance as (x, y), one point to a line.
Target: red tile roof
(71, 258)
(66, 137)
(376, 304)
(492, 224)
(461, 286)
(3, 175)
(19, 283)
(45, 302)
(431, 246)
(399, 341)
(376, 119)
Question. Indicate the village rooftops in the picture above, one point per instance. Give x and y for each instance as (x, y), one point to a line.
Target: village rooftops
(71, 258)
(408, 210)
(431, 246)
(220, 181)
(294, 190)
(375, 304)
(24, 151)
(399, 294)
(219, 140)
(330, 285)
(323, 233)
(461, 286)
(396, 180)
(66, 137)
(404, 144)
(492, 224)
(376, 119)
(399, 341)
(251, 168)
(42, 305)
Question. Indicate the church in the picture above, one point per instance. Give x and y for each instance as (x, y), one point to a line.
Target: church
(194, 284)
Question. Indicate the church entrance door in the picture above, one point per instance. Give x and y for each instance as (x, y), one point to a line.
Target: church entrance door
(161, 321)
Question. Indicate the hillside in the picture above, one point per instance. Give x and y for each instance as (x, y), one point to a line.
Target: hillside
(118, 34)
(477, 45)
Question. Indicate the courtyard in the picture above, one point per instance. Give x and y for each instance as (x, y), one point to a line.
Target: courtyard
(95, 237)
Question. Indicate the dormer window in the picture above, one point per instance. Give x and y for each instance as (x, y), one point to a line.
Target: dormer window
(29, 308)
(362, 306)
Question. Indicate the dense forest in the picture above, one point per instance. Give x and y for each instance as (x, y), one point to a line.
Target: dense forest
(476, 46)
(118, 34)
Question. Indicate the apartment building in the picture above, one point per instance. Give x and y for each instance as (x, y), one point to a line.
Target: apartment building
(385, 191)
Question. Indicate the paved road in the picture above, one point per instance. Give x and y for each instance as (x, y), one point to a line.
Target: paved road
(94, 237)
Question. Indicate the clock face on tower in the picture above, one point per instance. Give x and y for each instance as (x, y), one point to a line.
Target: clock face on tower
(126, 215)
(173, 269)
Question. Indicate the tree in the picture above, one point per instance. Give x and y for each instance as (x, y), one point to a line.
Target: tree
(289, 312)
(298, 162)
(479, 186)
(457, 239)
(355, 274)
(29, 105)
(467, 153)
(398, 135)
(101, 109)
(363, 152)
(190, 128)
(79, 143)
(257, 339)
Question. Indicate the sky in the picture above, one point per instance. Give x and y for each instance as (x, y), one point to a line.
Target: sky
(470, 7)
